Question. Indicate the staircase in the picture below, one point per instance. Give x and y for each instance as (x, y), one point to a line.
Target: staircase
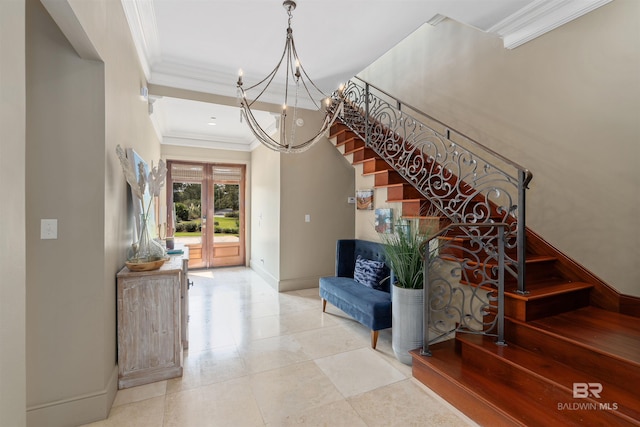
(567, 334)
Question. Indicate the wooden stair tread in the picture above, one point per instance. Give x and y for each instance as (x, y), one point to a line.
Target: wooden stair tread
(614, 334)
(393, 185)
(370, 159)
(560, 375)
(377, 172)
(536, 292)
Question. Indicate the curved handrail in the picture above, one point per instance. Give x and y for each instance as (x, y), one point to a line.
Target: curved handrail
(528, 174)
(462, 184)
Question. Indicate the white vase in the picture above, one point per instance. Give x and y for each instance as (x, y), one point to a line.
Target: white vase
(407, 324)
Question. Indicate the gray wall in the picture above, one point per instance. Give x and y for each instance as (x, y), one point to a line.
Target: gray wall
(12, 217)
(565, 105)
(82, 100)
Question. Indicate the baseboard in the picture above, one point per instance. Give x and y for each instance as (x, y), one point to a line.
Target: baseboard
(298, 284)
(266, 276)
(285, 285)
(76, 410)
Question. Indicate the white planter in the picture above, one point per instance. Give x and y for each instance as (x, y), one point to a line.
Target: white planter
(407, 326)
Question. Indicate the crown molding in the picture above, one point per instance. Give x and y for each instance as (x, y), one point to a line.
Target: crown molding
(206, 143)
(141, 17)
(436, 19)
(540, 17)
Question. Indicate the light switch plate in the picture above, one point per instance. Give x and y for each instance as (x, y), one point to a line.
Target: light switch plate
(48, 229)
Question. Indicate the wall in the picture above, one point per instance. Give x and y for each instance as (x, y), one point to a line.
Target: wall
(285, 188)
(315, 183)
(265, 214)
(78, 109)
(12, 219)
(365, 219)
(564, 105)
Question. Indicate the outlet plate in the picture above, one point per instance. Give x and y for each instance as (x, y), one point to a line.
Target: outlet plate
(48, 229)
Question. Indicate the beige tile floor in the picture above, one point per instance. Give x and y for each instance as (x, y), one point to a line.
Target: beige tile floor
(261, 358)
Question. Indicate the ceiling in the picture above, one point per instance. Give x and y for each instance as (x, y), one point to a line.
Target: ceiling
(200, 45)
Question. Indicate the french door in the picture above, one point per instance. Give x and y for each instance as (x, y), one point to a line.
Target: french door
(205, 211)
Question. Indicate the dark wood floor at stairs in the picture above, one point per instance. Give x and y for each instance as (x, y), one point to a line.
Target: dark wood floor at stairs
(530, 382)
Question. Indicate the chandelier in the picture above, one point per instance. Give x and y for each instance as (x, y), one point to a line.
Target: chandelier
(297, 81)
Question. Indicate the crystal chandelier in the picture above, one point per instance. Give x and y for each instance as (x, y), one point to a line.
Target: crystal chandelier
(298, 81)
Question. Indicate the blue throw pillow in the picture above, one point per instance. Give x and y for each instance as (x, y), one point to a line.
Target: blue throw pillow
(370, 273)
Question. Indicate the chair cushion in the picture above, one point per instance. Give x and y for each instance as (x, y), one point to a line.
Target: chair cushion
(368, 306)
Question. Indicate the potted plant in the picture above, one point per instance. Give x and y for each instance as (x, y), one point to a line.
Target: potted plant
(404, 251)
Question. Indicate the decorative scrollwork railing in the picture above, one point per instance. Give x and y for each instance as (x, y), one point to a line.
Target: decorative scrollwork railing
(464, 283)
(462, 184)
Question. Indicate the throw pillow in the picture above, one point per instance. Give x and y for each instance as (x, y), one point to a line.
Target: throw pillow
(370, 273)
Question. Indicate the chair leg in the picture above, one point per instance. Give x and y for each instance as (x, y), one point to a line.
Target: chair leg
(374, 339)
(324, 304)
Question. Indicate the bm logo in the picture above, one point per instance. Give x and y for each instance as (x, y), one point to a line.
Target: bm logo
(584, 390)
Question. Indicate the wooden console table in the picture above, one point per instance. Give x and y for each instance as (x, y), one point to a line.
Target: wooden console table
(152, 322)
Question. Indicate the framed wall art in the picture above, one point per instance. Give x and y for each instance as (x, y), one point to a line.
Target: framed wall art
(364, 199)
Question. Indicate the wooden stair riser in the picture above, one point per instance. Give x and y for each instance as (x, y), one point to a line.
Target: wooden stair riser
(414, 207)
(387, 178)
(534, 270)
(362, 155)
(461, 246)
(374, 166)
(344, 135)
(587, 359)
(403, 192)
(528, 310)
(545, 391)
(353, 145)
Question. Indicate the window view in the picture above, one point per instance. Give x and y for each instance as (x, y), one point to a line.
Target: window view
(227, 215)
(187, 205)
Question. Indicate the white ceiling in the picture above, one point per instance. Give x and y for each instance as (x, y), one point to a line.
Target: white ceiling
(200, 45)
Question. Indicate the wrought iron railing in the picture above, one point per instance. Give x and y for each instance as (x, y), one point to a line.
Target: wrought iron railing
(480, 192)
(466, 181)
(464, 282)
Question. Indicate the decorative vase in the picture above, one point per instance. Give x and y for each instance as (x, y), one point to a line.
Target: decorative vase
(146, 249)
(407, 323)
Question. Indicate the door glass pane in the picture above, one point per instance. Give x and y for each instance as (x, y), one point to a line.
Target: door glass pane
(187, 203)
(226, 213)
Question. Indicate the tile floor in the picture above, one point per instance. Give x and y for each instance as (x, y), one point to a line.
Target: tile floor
(261, 358)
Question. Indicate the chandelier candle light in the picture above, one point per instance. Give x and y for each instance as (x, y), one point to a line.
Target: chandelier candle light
(296, 75)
